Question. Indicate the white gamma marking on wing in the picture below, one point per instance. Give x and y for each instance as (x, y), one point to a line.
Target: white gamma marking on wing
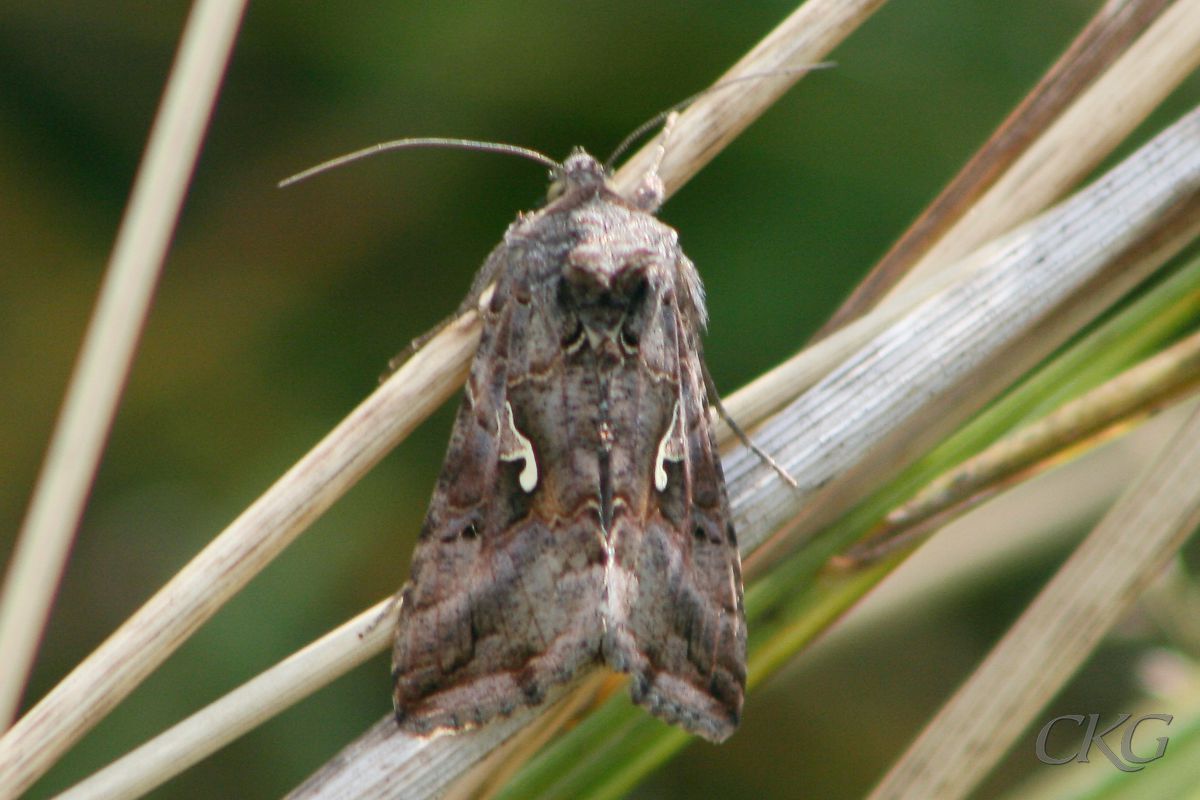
(733, 587)
(522, 452)
(660, 470)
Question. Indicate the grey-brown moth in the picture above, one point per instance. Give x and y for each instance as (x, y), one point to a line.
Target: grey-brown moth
(580, 517)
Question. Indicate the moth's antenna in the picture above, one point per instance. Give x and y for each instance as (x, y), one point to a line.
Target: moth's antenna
(658, 118)
(404, 144)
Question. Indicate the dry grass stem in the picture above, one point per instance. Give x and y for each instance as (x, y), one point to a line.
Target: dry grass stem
(154, 631)
(716, 118)
(493, 772)
(771, 391)
(107, 352)
(1106, 36)
(1083, 423)
(1082, 136)
(243, 709)
(914, 383)
(385, 763)
(1094, 589)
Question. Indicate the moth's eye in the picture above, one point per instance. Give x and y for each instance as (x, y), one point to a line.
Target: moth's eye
(557, 187)
(469, 531)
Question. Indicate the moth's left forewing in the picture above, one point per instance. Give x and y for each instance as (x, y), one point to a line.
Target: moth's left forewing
(676, 569)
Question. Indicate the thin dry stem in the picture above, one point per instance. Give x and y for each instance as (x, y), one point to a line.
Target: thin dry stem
(1106, 411)
(236, 555)
(241, 710)
(716, 118)
(1104, 38)
(1051, 640)
(99, 374)
(492, 773)
(914, 383)
(1079, 139)
(771, 391)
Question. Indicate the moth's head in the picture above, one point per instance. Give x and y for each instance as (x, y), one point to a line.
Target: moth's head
(579, 171)
(582, 172)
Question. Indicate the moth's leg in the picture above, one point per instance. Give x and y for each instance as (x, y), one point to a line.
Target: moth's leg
(741, 435)
(667, 130)
(391, 609)
(397, 361)
(481, 292)
(649, 194)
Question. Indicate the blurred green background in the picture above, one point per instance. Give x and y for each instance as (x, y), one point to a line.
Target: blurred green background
(277, 310)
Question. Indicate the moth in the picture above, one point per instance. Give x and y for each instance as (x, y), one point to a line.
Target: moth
(580, 517)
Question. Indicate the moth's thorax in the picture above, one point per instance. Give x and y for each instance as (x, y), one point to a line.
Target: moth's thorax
(607, 239)
(591, 235)
(617, 259)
